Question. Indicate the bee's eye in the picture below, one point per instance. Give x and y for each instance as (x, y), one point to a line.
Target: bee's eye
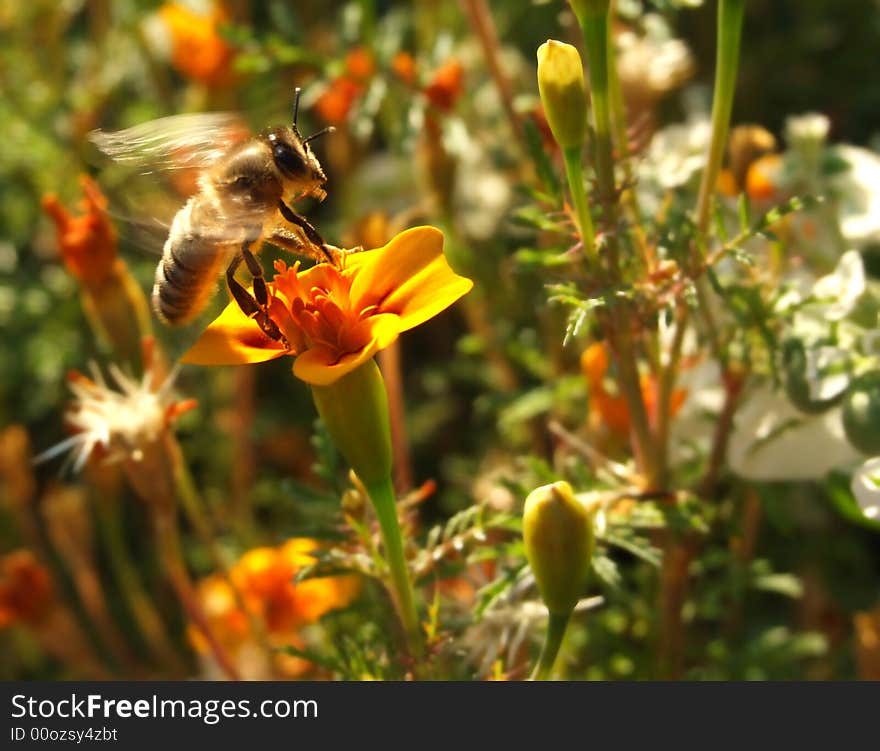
(288, 160)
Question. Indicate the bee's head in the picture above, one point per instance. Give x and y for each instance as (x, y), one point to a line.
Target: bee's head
(294, 157)
(296, 161)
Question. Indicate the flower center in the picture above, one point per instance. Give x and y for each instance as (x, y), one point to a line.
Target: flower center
(320, 315)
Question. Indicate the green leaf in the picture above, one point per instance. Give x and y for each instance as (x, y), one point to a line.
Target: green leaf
(744, 212)
(787, 585)
(607, 572)
(306, 654)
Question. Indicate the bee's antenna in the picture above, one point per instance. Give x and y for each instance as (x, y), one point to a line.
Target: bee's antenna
(296, 94)
(322, 132)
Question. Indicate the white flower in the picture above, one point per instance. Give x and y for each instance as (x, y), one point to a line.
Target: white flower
(866, 488)
(772, 440)
(677, 153)
(121, 419)
(808, 130)
(858, 193)
(827, 372)
(654, 63)
(841, 289)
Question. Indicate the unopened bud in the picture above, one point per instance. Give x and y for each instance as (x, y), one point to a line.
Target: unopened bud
(558, 534)
(561, 83)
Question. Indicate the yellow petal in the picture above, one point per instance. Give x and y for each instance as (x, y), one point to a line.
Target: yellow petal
(409, 277)
(321, 365)
(233, 339)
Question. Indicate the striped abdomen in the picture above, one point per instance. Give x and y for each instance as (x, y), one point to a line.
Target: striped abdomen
(192, 259)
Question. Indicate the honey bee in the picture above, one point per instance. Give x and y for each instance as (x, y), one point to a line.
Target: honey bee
(245, 188)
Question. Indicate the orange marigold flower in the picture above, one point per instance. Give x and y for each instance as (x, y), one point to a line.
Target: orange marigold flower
(87, 242)
(446, 85)
(359, 63)
(726, 184)
(337, 100)
(25, 588)
(612, 408)
(197, 49)
(763, 178)
(335, 319)
(404, 67)
(265, 578)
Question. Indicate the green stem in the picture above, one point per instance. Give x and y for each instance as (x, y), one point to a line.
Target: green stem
(595, 29)
(556, 626)
(148, 621)
(730, 22)
(575, 173)
(198, 515)
(168, 544)
(621, 138)
(382, 495)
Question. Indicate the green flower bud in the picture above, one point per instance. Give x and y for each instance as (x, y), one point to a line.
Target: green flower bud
(558, 534)
(861, 413)
(355, 412)
(561, 83)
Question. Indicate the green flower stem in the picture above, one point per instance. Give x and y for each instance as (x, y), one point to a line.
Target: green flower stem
(574, 171)
(595, 30)
(355, 412)
(593, 18)
(125, 573)
(556, 626)
(194, 508)
(621, 138)
(730, 23)
(382, 496)
(168, 544)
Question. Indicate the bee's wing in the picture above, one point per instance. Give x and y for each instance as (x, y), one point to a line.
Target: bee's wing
(191, 141)
(155, 167)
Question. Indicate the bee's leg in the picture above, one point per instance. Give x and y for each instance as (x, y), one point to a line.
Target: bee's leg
(253, 305)
(286, 238)
(324, 251)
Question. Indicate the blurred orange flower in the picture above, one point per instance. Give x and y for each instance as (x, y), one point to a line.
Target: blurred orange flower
(265, 578)
(334, 320)
(87, 242)
(612, 408)
(404, 66)
(197, 49)
(334, 105)
(359, 63)
(25, 589)
(446, 85)
(336, 102)
(112, 299)
(764, 177)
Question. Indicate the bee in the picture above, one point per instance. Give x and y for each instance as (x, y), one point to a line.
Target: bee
(245, 190)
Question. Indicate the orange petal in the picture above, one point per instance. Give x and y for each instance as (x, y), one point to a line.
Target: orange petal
(322, 365)
(233, 339)
(409, 277)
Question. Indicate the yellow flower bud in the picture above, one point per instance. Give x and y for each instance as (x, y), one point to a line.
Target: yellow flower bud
(561, 83)
(558, 534)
